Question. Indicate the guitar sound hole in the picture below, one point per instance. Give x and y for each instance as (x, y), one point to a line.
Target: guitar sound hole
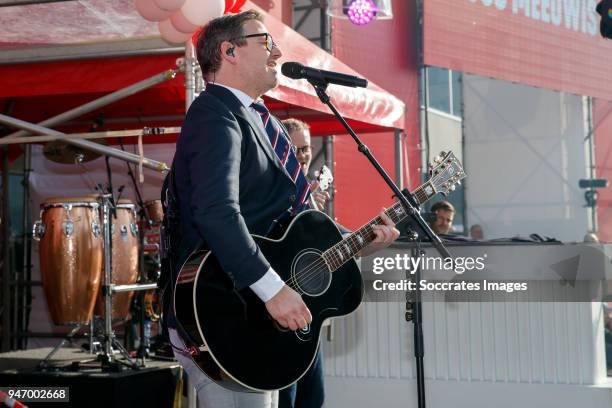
(310, 273)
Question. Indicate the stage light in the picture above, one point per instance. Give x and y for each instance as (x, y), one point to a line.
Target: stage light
(360, 12)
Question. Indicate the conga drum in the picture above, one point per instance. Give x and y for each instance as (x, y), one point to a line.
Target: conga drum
(124, 238)
(71, 253)
(155, 210)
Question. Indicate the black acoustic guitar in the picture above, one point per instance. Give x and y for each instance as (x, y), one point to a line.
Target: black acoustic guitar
(239, 345)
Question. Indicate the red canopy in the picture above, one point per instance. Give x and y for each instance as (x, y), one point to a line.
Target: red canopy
(38, 90)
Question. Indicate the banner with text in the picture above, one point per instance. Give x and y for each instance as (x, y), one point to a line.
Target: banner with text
(552, 44)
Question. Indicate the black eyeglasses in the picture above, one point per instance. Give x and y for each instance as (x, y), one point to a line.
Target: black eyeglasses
(303, 149)
(270, 44)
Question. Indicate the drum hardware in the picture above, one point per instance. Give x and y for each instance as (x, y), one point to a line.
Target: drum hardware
(124, 232)
(68, 227)
(124, 260)
(44, 364)
(136, 287)
(134, 229)
(142, 213)
(151, 302)
(38, 230)
(95, 229)
(61, 152)
(108, 339)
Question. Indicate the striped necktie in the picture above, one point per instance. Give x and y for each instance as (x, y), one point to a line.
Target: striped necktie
(282, 148)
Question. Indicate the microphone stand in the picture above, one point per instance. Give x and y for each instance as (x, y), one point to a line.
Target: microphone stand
(412, 209)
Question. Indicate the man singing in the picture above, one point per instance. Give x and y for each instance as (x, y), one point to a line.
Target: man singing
(234, 174)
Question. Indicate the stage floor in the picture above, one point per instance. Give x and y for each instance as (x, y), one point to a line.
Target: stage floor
(29, 359)
(157, 384)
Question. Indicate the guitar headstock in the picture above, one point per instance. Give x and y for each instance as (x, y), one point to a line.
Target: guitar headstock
(446, 172)
(324, 178)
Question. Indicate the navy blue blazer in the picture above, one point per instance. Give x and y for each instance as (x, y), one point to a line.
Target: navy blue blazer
(229, 184)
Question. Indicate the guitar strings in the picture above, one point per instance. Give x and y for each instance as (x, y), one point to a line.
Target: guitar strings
(313, 270)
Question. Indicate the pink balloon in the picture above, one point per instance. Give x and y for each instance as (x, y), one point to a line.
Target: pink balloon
(183, 25)
(149, 10)
(169, 5)
(171, 34)
(200, 12)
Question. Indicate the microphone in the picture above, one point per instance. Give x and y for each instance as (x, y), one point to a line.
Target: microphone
(295, 70)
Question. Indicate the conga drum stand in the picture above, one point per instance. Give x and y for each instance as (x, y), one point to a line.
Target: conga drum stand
(44, 364)
(108, 340)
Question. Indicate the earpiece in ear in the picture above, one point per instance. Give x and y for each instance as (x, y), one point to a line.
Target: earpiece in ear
(230, 51)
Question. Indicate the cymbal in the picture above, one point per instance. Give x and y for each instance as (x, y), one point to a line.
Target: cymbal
(62, 152)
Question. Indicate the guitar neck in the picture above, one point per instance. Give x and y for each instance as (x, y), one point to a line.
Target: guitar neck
(339, 254)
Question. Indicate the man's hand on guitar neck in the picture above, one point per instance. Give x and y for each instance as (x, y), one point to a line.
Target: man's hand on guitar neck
(288, 309)
(385, 235)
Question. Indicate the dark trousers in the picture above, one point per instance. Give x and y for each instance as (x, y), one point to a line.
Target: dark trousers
(308, 392)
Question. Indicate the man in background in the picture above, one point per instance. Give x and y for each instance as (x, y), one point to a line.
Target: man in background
(445, 213)
(299, 132)
(476, 232)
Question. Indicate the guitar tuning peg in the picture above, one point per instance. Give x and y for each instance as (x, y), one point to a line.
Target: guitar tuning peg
(442, 153)
(437, 159)
(459, 182)
(452, 188)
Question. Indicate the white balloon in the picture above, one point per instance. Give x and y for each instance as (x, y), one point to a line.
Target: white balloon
(169, 5)
(149, 10)
(179, 22)
(171, 34)
(200, 12)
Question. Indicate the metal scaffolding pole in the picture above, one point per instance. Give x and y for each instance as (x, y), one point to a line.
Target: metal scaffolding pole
(190, 74)
(105, 100)
(5, 306)
(399, 159)
(13, 3)
(24, 288)
(85, 144)
(328, 149)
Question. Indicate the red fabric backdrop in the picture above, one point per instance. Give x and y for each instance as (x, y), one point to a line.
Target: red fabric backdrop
(391, 44)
